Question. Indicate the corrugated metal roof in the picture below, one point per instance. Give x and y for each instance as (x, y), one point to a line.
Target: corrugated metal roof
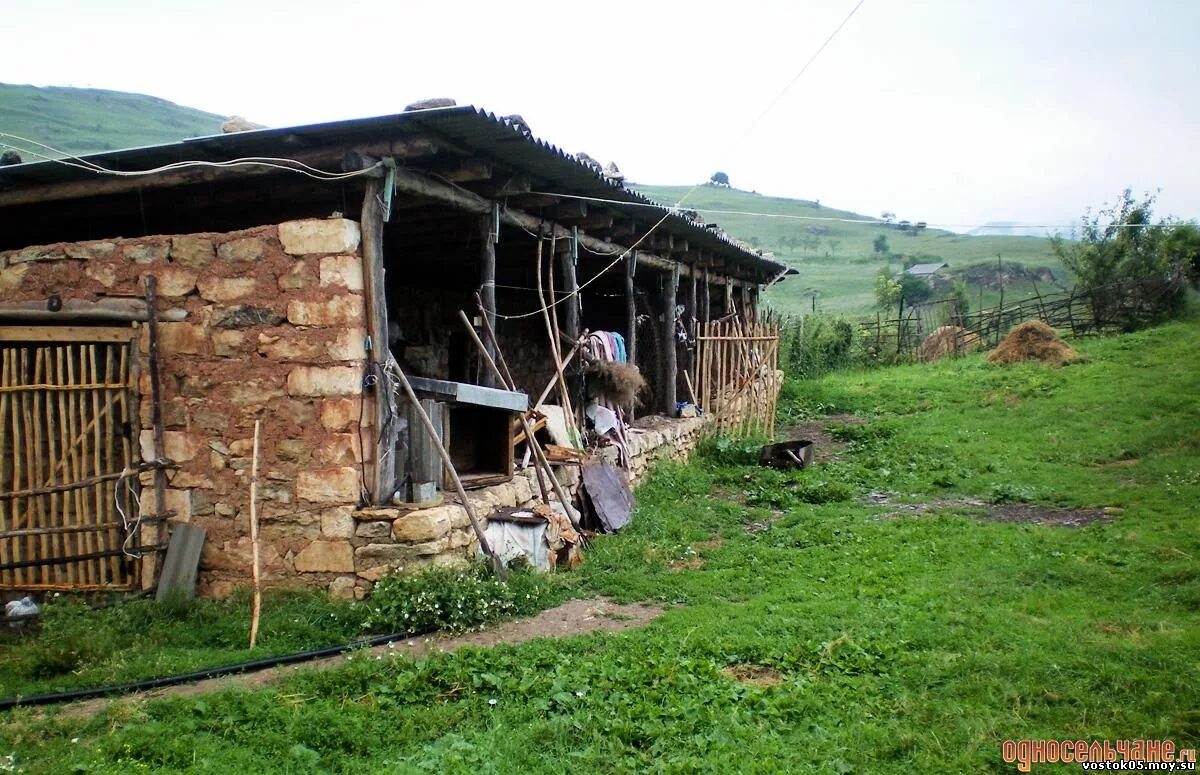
(473, 129)
(922, 270)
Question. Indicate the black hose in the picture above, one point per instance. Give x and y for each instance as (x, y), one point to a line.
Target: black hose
(252, 666)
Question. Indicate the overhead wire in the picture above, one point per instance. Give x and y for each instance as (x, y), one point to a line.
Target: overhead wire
(78, 162)
(673, 210)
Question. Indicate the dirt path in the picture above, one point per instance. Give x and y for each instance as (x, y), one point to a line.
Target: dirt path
(575, 617)
(826, 447)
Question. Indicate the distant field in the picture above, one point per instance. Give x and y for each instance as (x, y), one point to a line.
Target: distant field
(89, 120)
(836, 259)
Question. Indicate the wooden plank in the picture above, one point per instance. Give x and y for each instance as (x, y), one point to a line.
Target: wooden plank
(182, 561)
(611, 498)
(66, 333)
(76, 309)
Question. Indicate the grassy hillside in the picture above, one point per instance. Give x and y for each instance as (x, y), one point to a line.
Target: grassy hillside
(836, 259)
(83, 120)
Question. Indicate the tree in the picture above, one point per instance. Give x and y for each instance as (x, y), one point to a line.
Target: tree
(833, 246)
(887, 290)
(888, 217)
(719, 179)
(1122, 243)
(881, 246)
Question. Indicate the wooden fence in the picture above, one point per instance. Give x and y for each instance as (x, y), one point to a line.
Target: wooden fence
(736, 374)
(68, 411)
(1120, 306)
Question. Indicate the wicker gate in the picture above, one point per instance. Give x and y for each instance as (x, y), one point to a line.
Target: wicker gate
(736, 374)
(68, 415)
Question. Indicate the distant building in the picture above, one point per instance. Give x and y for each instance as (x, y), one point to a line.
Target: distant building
(925, 270)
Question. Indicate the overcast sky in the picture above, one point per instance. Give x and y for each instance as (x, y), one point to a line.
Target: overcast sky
(948, 111)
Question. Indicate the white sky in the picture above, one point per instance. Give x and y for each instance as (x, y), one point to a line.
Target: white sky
(948, 111)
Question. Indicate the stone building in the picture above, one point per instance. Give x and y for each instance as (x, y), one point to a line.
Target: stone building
(156, 302)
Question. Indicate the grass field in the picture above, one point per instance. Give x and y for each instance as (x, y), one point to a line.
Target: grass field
(811, 628)
(840, 264)
(84, 120)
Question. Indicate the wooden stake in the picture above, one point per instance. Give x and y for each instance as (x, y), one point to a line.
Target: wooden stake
(256, 606)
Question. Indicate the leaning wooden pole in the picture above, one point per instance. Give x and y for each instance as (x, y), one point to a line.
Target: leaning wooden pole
(427, 424)
(256, 606)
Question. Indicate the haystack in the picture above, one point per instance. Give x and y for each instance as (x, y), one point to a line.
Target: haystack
(620, 383)
(1033, 340)
(948, 340)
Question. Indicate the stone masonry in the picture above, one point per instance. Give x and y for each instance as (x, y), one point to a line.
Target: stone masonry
(269, 324)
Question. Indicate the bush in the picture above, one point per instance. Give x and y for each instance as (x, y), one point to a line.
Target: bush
(455, 599)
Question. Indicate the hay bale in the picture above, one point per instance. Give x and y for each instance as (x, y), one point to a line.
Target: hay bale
(1033, 340)
(948, 340)
(620, 383)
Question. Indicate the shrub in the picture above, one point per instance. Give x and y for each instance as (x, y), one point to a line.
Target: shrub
(456, 599)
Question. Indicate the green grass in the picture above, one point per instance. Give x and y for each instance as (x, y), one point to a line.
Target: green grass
(842, 273)
(87, 120)
(903, 645)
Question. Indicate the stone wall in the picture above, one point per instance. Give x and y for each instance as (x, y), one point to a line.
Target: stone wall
(269, 324)
(266, 323)
(388, 540)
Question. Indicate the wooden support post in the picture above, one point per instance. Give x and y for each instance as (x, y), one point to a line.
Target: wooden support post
(572, 306)
(383, 483)
(156, 422)
(669, 345)
(487, 282)
(689, 365)
(631, 308)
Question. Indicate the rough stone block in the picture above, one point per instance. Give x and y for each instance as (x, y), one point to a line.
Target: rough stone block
(228, 344)
(374, 573)
(179, 446)
(340, 449)
(458, 516)
(326, 557)
(147, 253)
(290, 348)
(87, 251)
(174, 281)
(338, 522)
(246, 317)
(349, 345)
(373, 555)
(237, 555)
(222, 289)
(522, 490)
(11, 278)
(342, 588)
(379, 530)
(423, 525)
(342, 272)
(330, 235)
(340, 413)
(293, 451)
(195, 252)
(102, 272)
(300, 276)
(253, 393)
(184, 338)
(329, 485)
(243, 249)
(346, 309)
(324, 381)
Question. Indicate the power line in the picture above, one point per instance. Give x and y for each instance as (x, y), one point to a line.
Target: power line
(77, 162)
